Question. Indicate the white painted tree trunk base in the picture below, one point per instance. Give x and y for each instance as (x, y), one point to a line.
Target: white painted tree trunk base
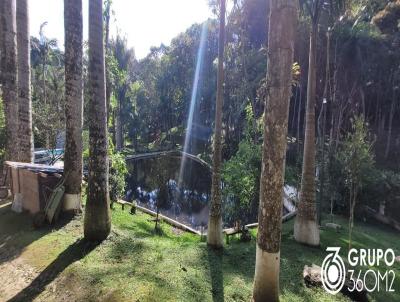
(214, 232)
(72, 202)
(266, 279)
(306, 231)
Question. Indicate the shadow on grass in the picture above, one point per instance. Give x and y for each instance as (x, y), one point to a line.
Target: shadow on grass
(215, 258)
(73, 253)
(17, 232)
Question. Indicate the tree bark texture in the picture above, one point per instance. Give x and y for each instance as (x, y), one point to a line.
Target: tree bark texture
(8, 62)
(305, 229)
(214, 233)
(97, 213)
(282, 31)
(25, 134)
(73, 96)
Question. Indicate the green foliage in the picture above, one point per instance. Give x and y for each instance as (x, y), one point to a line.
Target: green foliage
(117, 174)
(241, 177)
(48, 118)
(388, 19)
(356, 155)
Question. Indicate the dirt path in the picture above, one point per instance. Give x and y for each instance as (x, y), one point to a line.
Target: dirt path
(15, 275)
(32, 261)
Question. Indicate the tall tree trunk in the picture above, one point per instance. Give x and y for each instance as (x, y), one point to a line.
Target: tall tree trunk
(118, 130)
(214, 231)
(73, 103)
(299, 120)
(282, 31)
(107, 38)
(24, 83)
(292, 123)
(325, 102)
(97, 224)
(9, 75)
(391, 114)
(305, 228)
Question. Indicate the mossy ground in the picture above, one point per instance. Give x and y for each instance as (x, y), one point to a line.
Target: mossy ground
(136, 264)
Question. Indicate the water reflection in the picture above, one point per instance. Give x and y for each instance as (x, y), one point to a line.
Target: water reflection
(153, 182)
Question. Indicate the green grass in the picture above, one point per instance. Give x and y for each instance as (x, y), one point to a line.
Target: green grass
(135, 264)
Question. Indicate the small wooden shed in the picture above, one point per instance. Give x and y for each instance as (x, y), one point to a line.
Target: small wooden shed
(28, 183)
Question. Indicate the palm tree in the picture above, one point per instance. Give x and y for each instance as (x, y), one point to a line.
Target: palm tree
(73, 103)
(306, 228)
(8, 61)
(282, 30)
(97, 223)
(24, 83)
(214, 231)
(44, 48)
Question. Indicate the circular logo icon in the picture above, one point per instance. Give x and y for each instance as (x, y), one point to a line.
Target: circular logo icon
(333, 271)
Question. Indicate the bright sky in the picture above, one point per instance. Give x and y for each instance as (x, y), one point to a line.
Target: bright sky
(145, 23)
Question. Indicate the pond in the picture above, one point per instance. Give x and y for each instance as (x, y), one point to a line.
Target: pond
(157, 182)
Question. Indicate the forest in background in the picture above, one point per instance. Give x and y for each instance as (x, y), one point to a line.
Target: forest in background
(358, 76)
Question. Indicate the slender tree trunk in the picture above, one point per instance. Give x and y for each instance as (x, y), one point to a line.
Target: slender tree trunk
(299, 121)
(282, 31)
(292, 124)
(73, 103)
(9, 76)
(97, 224)
(305, 228)
(214, 231)
(118, 130)
(353, 200)
(47, 133)
(324, 105)
(391, 113)
(24, 83)
(107, 38)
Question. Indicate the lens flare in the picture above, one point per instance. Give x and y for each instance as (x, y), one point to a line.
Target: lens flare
(193, 99)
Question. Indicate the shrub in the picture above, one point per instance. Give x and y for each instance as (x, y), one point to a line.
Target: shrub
(117, 176)
(241, 177)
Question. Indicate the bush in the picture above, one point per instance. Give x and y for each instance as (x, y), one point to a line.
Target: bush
(117, 176)
(241, 177)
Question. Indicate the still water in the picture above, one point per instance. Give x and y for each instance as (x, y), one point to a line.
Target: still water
(185, 198)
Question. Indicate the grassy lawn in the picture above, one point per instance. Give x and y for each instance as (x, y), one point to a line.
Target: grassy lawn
(135, 264)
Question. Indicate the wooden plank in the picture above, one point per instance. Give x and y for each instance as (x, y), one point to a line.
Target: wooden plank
(252, 225)
(29, 184)
(231, 231)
